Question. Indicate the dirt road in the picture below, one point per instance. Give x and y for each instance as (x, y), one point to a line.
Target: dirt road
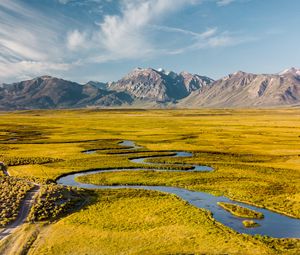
(26, 205)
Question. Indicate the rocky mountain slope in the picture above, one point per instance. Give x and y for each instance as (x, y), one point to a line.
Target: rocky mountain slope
(99, 85)
(150, 88)
(242, 89)
(159, 85)
(48, 92)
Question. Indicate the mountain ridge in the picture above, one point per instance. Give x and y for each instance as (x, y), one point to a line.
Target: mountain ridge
(242, 89)
(151, 88)
(159, 85)
(46, 92)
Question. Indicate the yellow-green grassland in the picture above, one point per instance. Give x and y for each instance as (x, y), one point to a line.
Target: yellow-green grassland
(255, 155)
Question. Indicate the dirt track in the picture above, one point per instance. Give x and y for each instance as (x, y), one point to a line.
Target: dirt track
(26, 205)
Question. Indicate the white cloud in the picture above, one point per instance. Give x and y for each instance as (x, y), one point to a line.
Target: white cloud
(82, 2)
(33, 43)
(29, 42)
(218, 41)
(64, 1)
(124, 36)
(224, 2)
(210, 38)
(175, 30)
(20, 50)
(76, 39)
(29, 69)
(127, 36)
(206, 34)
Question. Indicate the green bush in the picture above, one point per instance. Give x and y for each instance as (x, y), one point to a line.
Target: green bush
(54, 201)
(12, 192)
(240, 211)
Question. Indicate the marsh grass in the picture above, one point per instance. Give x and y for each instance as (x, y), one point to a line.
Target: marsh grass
(254, 153)
(250, 224)
(241, 211)
(143, 222)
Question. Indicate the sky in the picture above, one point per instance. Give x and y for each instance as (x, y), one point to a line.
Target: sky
(102, 40)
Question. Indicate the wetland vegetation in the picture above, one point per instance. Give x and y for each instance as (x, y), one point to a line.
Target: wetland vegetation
(254, 153)
(250, 224)
(12, 192)
(241, 211)
(54, 201)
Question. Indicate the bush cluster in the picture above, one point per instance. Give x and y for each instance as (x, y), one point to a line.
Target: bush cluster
(12, 192)
(53, 202)
(17, 161)
(241, 211)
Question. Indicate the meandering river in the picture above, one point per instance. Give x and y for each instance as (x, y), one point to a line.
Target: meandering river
(273, 224)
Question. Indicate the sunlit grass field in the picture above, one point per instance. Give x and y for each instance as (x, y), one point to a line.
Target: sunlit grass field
(255, 154)
(143, 222)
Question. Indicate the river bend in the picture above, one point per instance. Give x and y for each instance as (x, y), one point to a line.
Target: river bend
(273, 224)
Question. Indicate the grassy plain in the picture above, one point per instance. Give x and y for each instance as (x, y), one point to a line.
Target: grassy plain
(255, 154)
(143, 222)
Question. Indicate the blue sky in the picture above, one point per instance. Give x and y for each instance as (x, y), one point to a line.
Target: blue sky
(102, 40)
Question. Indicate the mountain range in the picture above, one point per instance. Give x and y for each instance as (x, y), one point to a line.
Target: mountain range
(156, 88)
(242, 89)
(49, 93)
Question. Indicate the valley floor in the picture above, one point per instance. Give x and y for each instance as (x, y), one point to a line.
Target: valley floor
(254, 153)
